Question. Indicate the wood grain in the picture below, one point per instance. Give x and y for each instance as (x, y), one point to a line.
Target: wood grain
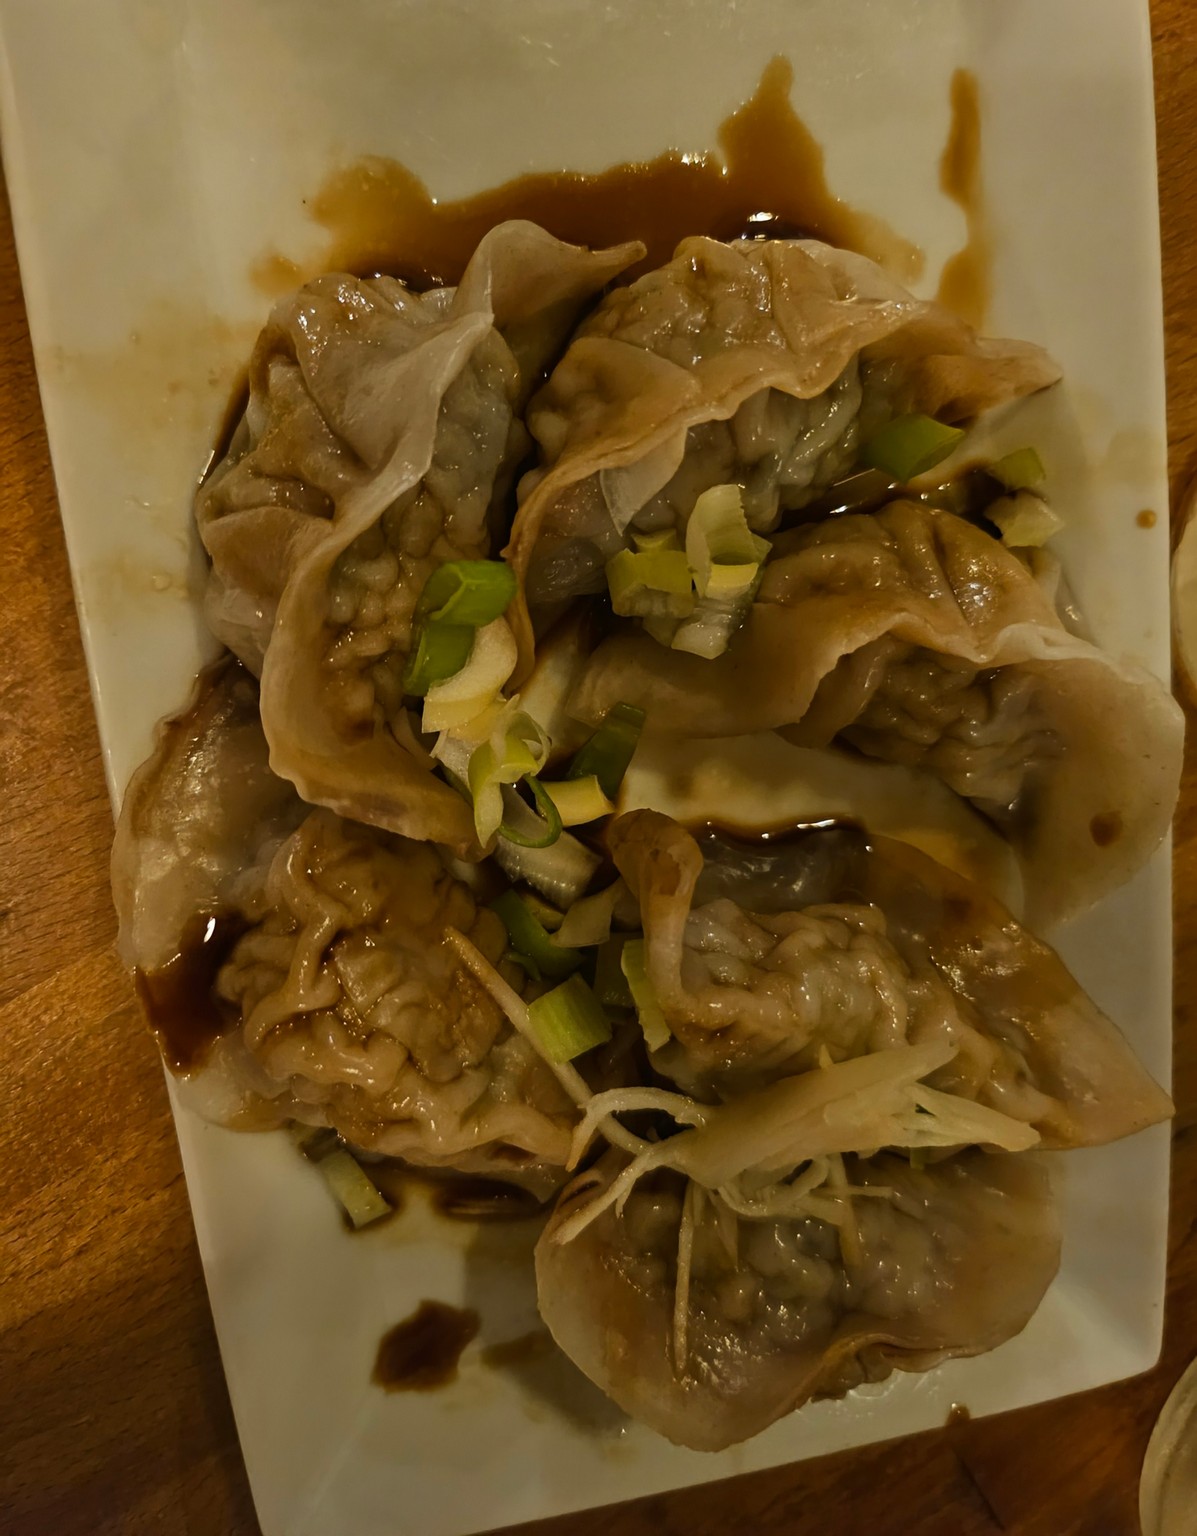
(113, 1412)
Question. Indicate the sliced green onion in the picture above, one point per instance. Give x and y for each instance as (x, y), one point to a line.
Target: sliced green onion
(1024, 519)
(525, 962)
(463, 697)
(569, 1020)
(529, 938)
(609, 751)
(441, 650)
(588, 921)
(1021, 470)
(661, 538)
(515, 750)
(357, 1194)
(562, 871)
(543, 911)
(709, 629)
(610, 983)
(547, 828)
(473, 592)
(723, 552)
(579, 801)
(652, 1020)
(908, 446)
(655, 582)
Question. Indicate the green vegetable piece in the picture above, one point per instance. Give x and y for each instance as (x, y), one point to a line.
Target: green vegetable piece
(633, 963)
(650, 582)
(1021, 470)
(908, 446)
(473, 592)
(441, 650)
(530, 939)
(569, 1020)
(549, 819)
(609, 751)
(610, 984)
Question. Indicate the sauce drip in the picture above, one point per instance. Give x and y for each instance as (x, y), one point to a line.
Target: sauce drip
(422, 1352)
(964, 283)
(958, 1413)
(178, 998)
(1146, 518)
(767, 180)
(1106, 828)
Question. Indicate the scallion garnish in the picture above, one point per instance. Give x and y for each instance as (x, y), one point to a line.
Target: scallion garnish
(440, 651)
(633, 963)
(650, 583)
(1021, 470)
(579, 801)
(548, 822)
(569, 1020)
(723, 552)
(609, 751)
(530, 938)
(473, 592)
(516, 749)
(908, 446)
(610, 983)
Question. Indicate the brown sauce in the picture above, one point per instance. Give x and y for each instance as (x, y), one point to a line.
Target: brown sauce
(958, 1413)
(1146, 518)
(1106, 828)
(767, 179)
(178, 999)
(456, 1196)
(965, 282)
(422, 1352)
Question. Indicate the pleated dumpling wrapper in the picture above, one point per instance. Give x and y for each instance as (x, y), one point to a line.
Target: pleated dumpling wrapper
(380, 437)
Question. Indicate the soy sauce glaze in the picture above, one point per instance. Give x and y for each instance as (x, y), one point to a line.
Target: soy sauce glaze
(422, 1352)
(965, 282)
(767, 179)
(178, 998)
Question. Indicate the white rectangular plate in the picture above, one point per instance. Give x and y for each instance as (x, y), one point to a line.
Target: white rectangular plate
(155, 150)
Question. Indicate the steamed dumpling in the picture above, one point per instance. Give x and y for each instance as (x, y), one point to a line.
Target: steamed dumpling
(949, 1260)
(763, 363)
(333, 1000)
(380, 437)
(914, 637)
(835, 944)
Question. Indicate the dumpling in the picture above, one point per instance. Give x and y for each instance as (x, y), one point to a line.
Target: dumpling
(380, 437)
(914, 637)
(708, 1329)
(834, 944)
(294, 962)
(766, 363)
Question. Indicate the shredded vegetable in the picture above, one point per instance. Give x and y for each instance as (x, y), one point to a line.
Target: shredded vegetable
(651, 582)
(516, 749)
(465, 695)
(588, 921)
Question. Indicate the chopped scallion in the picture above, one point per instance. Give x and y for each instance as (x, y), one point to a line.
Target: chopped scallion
(908, 446)
(723, 552)
(473, 592)
(355, 1192)
(609, 751)
(569, 1020)
(514, 751)
(441, 650)
(610, 983)
(579, 801)
(661, 538)
(530, 938)
(548, 823)
(633, 963)
(1021, 470)
(654, 582)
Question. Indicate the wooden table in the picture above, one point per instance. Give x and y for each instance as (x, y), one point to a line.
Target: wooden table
(113, 1411)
